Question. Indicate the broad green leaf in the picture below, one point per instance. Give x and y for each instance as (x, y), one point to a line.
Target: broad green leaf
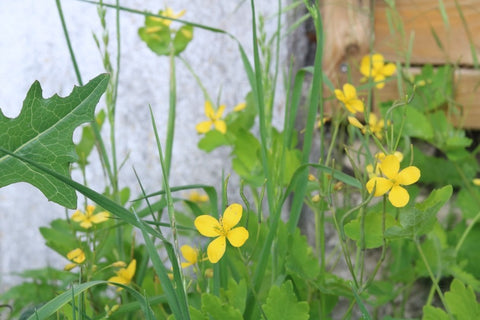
(421, 219)
(59, 236)
(212, 140)
(182, 38)
(373, 228)
(237, 294)
(300, 258)
(462, 301)
(432, 313)
(156, 34)
(415, 124)
(43, 133)
(468, 200)
(468, 256)
(219, 310)
(282, 304)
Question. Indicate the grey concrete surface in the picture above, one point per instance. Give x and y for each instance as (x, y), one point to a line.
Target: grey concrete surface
(32, 47)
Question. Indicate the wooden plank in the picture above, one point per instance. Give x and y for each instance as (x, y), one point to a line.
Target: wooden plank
(419, 18)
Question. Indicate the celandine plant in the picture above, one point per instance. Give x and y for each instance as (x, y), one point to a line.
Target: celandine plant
(372, 185)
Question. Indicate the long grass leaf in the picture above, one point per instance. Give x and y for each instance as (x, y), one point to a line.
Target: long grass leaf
(58, 302)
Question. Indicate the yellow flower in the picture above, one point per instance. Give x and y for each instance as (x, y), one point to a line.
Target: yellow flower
(222, 229)
(393, 181)
(311, 177)
(476, 181)
(77, 256)
(379, 158)
(214, 119)
(239, 107)
(194, 196)
(373, 66)
(349, 98)
(125, 275)
(168, 12)
(374, 126)
(87, 219)
(190, 254)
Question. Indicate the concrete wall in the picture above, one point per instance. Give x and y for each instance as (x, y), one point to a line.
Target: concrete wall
(32, 47)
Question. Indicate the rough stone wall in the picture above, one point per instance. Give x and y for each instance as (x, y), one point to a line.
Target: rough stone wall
(32, 47)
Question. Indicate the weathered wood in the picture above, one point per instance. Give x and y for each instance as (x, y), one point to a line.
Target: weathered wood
(348, 32)
(420, 18)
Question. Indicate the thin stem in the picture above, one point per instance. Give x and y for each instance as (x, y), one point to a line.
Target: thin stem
(466, 232)
(432, 277)
(171, 115)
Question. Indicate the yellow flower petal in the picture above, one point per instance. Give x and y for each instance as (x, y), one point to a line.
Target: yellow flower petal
(389, 69)
(204, 126)
(390, 166)
(100, 217)
(231, 216)
(221, 126)
(76, 255)
(355, 105)
(237, 236)
(220, 111)
(90, 209)
(216, 249)
(354, 122)
(209, 110)
(408, 176)
(379, 80)
(476, 181)
(239, 107)
(117, 279)
(377, 61)
(398, 196)
(86, 224)
(340, 96)
(189, 253)
(208, 226)
(78, 216)
(70, 266)
(381, 186)
(349, 91)
(365, 66)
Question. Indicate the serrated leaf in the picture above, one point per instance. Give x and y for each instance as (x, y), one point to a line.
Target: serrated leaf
(422, 218)
(217, 309)
(282, 304)
(373, 229)
(462, 301)
(43, 133)
(237, 294)
(432, 313)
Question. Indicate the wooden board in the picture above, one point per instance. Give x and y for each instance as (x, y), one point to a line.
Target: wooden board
(348, 27)
(422, 19)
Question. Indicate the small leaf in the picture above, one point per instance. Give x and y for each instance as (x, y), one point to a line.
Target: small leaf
(219, 310)
(212, 140)
(432, 313)
(156, 35)
(422, 218)
(373, 229)
(182, 38)
(282, 304)
(43, 133)
(462, 301)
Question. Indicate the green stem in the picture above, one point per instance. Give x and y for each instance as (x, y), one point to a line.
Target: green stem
(466, 232)
(171, 115)
(432, 277)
